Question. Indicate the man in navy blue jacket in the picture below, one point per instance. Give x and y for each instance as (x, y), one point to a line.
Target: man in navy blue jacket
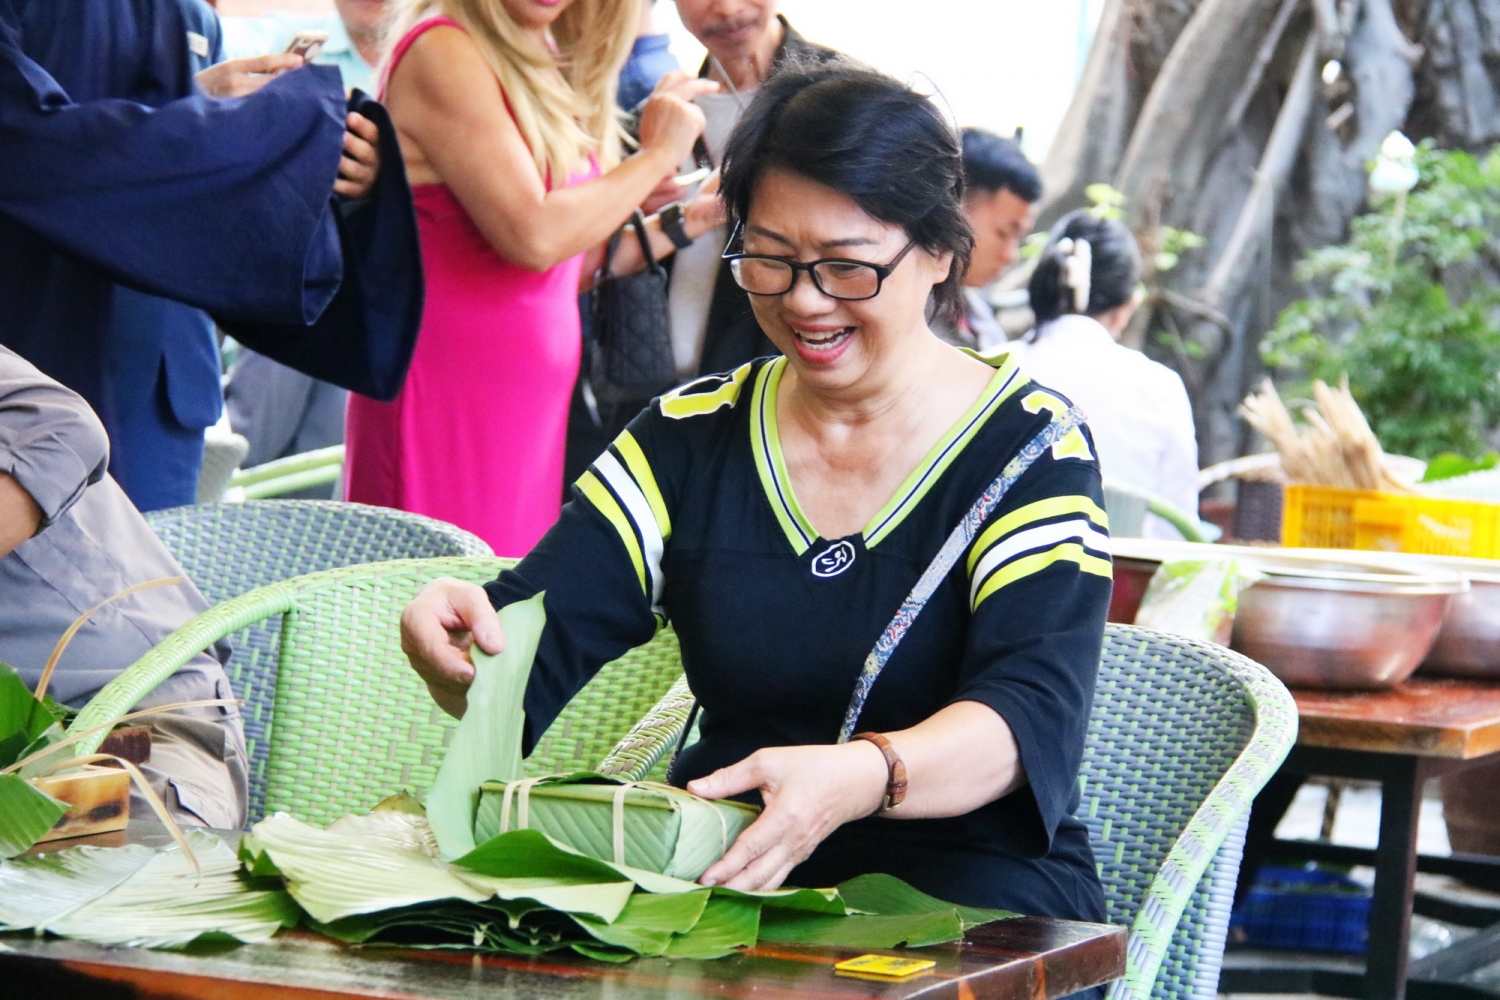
(130, 202)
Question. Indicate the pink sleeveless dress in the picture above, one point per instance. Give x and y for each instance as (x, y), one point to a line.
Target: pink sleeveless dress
(476, 436)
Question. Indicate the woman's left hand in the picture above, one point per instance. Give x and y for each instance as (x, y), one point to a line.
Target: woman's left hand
(360, 165)
(809, 792)
(706, 210)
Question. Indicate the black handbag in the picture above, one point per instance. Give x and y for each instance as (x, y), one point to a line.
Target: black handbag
(632, 328)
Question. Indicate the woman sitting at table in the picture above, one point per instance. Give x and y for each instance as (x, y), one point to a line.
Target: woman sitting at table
(777, 517)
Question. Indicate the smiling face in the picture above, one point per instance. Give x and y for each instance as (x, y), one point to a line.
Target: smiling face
(534, 15)
(731, 29)
(831, 343)
(1000, 221)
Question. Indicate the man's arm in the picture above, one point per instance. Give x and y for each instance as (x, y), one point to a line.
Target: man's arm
(52, 447)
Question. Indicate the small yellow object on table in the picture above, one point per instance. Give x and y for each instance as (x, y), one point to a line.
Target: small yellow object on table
(882, 967)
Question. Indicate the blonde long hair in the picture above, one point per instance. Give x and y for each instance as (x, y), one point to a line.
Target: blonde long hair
(563, 102)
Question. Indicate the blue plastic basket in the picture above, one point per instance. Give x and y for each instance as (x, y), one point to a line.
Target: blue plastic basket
(1304, 909)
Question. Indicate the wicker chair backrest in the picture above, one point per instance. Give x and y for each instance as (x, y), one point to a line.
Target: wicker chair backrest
(231, 549)
(1182, 736)
(353, 723)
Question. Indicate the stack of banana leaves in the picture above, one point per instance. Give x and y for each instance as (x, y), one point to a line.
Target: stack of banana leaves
(582, 862)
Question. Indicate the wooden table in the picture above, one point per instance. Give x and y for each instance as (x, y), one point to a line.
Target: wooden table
(1027, 958)
(1401, 738)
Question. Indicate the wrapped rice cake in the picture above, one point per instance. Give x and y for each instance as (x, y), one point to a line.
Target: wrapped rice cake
(643, 824)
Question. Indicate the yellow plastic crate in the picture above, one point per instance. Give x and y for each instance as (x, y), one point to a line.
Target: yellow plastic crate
(1329, 517)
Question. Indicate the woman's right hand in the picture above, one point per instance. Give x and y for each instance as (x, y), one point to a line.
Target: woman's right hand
(670, 122)
(437, 629)
(241, 77)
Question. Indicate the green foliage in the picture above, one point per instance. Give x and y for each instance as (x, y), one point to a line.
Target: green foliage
(1107, 203)
(1172, 244)
(1449, 465)
(1406, 313)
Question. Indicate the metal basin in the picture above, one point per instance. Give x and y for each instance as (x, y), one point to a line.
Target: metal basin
(1319, 619)
(1468, 643)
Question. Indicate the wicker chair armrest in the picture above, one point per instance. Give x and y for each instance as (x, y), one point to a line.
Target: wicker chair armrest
(650, 739)
(176, 650)
(322, 458)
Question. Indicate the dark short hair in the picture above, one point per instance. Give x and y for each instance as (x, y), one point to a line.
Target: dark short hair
(993, 163)
(860, 132)
(1112, 278)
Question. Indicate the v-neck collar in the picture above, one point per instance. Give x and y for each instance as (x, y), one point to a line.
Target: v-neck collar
(770, 462)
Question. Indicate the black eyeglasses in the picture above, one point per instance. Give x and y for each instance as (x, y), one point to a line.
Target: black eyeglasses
(835, 277)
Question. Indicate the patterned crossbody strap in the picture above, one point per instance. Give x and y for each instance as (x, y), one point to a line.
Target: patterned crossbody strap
(948, 555)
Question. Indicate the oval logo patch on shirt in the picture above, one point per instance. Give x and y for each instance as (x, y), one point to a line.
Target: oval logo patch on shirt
(833, 560)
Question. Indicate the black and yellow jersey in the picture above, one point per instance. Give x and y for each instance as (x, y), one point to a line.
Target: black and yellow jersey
(690, 518)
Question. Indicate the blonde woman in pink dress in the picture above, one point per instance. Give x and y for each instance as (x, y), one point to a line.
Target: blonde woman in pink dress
(514, 153)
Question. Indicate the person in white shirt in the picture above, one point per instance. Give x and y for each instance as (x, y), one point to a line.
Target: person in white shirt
(1083, 292)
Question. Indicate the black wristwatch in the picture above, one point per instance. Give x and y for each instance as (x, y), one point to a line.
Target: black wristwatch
(671, 224)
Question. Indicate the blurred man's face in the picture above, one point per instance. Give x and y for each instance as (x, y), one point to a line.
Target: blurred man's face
(1000, 220)
(363, 18)
(730, 29)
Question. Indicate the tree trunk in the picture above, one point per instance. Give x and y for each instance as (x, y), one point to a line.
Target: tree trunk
(1219, 116)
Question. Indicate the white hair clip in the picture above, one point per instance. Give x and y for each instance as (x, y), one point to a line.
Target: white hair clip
(1077, 270)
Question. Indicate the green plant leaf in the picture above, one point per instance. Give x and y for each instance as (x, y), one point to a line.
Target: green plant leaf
(1450, 465)
(359, 864)
(727, 923)
(603, 952)
(650, 921)
(487, 744)
(529, 853)
(860, 931)
(38, 890)
(889, 896)
(138, 897)
(810, 900)
(25, 814)
(23, 719)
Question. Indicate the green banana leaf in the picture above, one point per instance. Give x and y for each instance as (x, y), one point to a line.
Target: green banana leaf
(648, 924)
(23, 718)
(886, 894)
(36, 891)
(889, 914)
(387, 860)
(487, 744)
(727, 923)
(861, 930)
(139, 897)
(25, 814)
(665, 830)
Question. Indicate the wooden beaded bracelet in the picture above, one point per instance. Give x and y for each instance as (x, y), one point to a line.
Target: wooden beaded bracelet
(895, 785)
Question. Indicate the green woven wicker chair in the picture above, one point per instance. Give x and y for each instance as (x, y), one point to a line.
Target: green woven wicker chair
(1182, 736)
(353, 723)
(230, 549)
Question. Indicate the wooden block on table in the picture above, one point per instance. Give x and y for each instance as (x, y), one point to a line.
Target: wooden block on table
(98, 799)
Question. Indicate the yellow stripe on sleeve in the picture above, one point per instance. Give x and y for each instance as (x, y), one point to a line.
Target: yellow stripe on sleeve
(610, 508)
(640, 469)
(1038, 511)
(1038, 561)
(679, 404)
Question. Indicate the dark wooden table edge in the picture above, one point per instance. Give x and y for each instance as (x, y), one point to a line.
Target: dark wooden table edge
(1081, 956)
